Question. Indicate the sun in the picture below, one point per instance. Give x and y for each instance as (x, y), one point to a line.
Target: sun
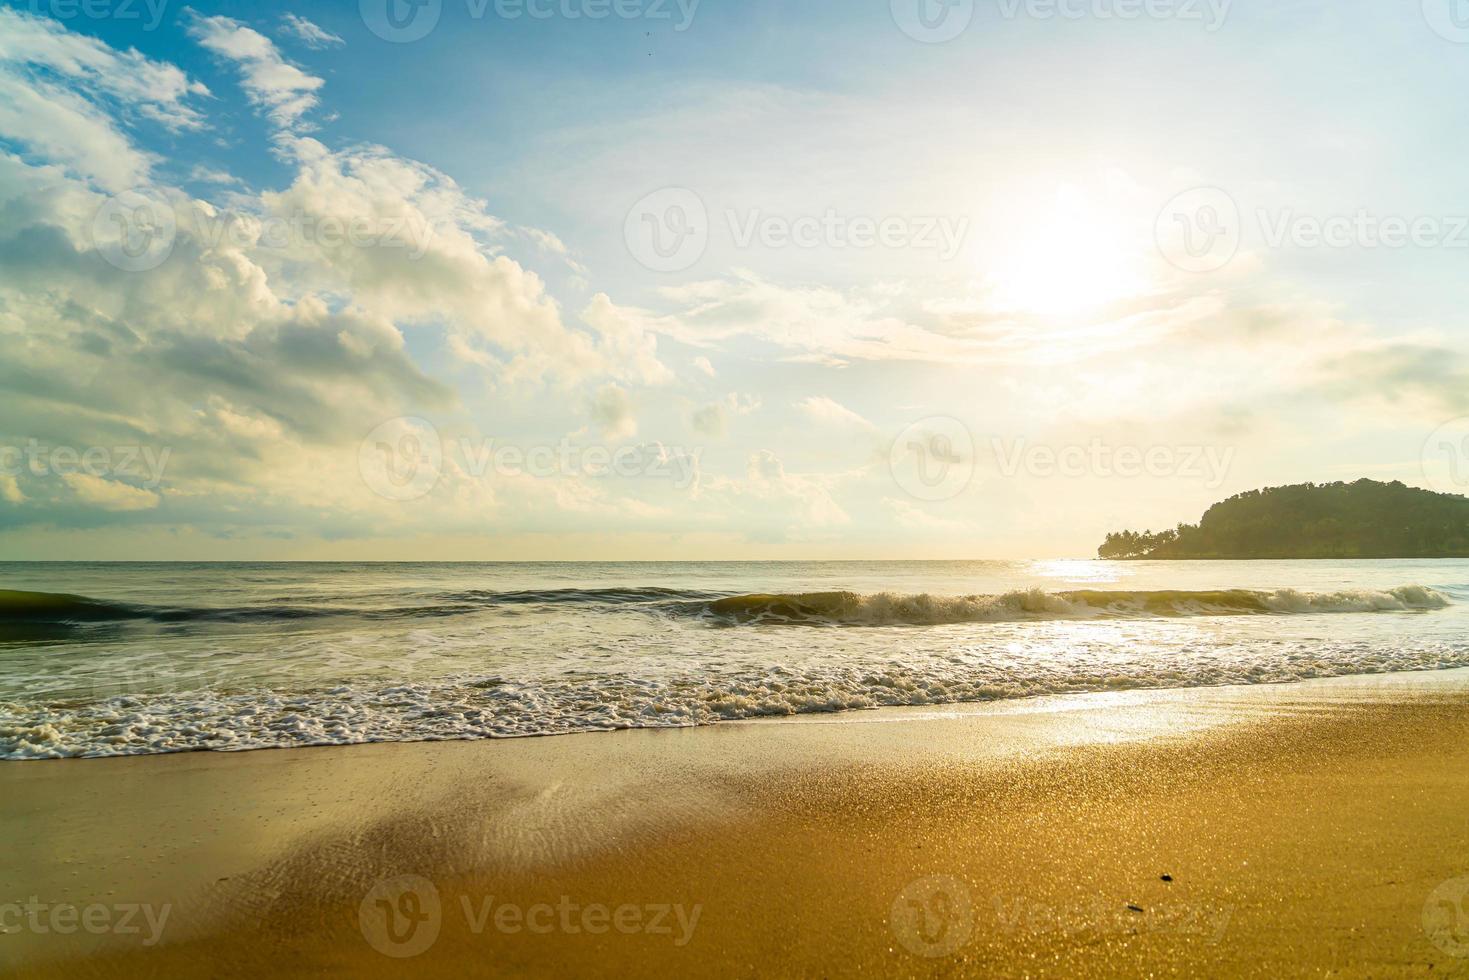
(1068, 259)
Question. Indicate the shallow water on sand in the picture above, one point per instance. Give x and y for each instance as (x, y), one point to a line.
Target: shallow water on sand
(101, 659)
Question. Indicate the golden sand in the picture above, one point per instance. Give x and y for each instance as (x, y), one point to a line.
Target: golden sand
(1312, 829)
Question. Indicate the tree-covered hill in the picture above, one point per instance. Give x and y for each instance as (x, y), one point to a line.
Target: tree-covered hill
(1365, 519)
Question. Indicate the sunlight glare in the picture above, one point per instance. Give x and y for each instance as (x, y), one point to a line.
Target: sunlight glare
(1069, 259)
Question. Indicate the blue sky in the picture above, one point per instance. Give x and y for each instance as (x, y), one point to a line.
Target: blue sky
(936, 304)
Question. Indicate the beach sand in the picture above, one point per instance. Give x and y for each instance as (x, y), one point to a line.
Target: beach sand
(1315, 829)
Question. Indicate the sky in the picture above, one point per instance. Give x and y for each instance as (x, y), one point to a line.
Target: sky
(666, 279)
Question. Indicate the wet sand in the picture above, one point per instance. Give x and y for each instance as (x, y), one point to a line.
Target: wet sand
(1305, 829)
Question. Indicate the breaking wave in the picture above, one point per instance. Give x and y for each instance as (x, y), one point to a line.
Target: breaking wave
(897, 609)
(806, 608)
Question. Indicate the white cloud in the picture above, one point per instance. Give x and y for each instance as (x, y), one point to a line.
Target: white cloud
(550, 243)
(307, 32)
(821, 409)
(125, 76)
(61, 126)
(210, 175)
(63, 95)
(816, 323)
(625, 341)
(769, 482)
(285, 92)
(261, 361)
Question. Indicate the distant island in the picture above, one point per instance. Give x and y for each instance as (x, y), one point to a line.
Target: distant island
(1365, 519)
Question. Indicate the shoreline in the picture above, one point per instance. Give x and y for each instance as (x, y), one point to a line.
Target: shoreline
(1305, 826)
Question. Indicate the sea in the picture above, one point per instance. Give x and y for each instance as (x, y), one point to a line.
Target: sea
(102, 659)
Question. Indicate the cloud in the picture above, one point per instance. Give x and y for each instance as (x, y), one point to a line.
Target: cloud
(63, 127)
(1418, 376)
(307, 32)
(712, 419)
(551, 244)
(626, 341)
(266, 346)
(285, 92)
(63, 97)
(817, 324)
(708, 420)
(210, 175)
(275, 334)
(612, 411)
(770, 483)
(159, 89)
(821, 409)
(104, 494)
(911, 517)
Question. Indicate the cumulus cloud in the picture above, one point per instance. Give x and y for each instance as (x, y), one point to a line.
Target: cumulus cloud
(769, 482)
(712, 419)
(708, 420)
(627, 344)
(274, 335)
(611, 410)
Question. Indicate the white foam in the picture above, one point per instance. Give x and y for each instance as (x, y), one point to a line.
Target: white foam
(475, 708)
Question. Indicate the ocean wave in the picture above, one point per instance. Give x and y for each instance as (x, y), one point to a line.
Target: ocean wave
(613, 596)
(805, 608)
(922, 609)
(59, 607)
(56, 608)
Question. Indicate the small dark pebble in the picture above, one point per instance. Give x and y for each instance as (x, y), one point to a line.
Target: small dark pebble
(1166, 877)
(1134, 908)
